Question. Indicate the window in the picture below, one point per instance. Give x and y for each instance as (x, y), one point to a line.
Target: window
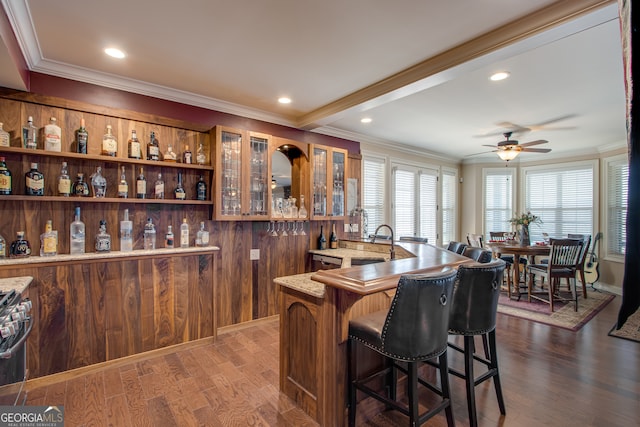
(449, 196)
(617, 194)
(498, 200)
(415, 205)
(373, 194)
(563, 198)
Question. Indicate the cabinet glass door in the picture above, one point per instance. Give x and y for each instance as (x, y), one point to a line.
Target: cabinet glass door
(259, 180)
(319, 182)
(231, 188)
(338, 163)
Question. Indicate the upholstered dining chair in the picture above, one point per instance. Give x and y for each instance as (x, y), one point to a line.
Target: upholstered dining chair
(478, 254)
(413, 330)
(564, 255)
(457, 247)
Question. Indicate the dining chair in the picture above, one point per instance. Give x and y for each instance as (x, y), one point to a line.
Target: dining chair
(475, 240)
(480, 255)
(564, 255)
(586, 239)
(457, 247)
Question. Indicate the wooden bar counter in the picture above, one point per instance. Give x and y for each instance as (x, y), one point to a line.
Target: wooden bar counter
(97, 307)
(315, 309)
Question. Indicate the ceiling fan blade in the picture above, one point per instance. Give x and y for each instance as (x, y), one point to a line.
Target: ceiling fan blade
(492, 146)
(536, 150)
(483, 152)
(513, 128)
(531, 143)
(554, 120)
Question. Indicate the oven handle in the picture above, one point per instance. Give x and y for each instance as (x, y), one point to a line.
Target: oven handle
(9, 353)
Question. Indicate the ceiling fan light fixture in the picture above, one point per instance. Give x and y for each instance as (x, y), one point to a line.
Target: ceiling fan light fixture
(501, 75)
(508, 154)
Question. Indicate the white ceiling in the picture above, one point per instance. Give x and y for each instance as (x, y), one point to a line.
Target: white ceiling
(342, 60)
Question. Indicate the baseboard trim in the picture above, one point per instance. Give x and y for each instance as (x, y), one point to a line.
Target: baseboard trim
(244, 325)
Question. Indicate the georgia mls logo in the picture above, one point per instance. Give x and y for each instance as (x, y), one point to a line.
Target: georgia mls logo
(31, 416)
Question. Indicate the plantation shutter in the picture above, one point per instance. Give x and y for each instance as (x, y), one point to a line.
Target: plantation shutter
(373, 192)
(617, 191)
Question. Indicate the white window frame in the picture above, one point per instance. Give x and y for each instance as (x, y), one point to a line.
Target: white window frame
(605, 249)
(496, 171)
(385, 208)
(442, 234)
(563, 167)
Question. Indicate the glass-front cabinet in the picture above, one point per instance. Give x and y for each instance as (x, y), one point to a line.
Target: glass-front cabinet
(242, 174)
(328, 167)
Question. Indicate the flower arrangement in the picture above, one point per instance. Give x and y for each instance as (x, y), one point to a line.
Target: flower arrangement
(525, 219)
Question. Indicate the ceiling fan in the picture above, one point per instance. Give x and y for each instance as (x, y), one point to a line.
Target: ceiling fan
(510, 148)
(517, 129)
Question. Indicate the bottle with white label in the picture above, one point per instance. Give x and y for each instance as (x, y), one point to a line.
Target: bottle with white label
(123, 185)
(64, 181)
(202, 237)
(184, 234)
(5, 138)
(126, 233)
(109, 144)
(30, 135)
(49, 241)
(159, 187)
(134, 146)
(52, 136)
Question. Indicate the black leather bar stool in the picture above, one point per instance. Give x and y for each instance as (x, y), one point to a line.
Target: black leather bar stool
(477, 254)
(414, 329)
(473, 312)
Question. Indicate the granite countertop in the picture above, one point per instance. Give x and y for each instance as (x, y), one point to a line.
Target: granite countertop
(17, 283)
(105, 255)
(302, 283)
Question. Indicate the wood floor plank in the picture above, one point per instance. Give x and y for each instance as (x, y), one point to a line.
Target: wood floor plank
(550, 376)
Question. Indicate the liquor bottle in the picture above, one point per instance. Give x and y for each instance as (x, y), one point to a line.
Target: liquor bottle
(333, 238)
(109, 144)
(64, 182)
(153, 147)
(82, 138)
(103, 239)
(184, 234)
(201, 158)
(80, 187)
(5, 138)
(179, 191)
(202, 236)
(322, 241)
(123, 186)
(30, 135)
(169, 238)
(170, 155)
(126, 233)
(141, 186)
(34, 180)
(52, 136)
(77, 234)
(20, 248)
(6, 185)
(134, 150)
(49, 241)
(187, 156)
(99, 183)
(201, 189)
(149, 235)
(3, 247)
(158, 188)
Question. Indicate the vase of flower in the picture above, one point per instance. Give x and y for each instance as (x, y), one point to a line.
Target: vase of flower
(524, 235)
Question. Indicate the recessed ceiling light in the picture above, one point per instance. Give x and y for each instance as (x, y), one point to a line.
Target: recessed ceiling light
(284, 100)
(115, 53)
(366, 120)
(499, 76)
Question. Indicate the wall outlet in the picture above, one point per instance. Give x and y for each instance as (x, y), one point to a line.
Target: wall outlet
(254, 254)
(347, 228)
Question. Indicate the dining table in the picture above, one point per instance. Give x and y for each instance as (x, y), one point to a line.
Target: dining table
(512, 247)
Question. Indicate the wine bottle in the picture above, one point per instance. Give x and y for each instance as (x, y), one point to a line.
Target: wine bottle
(34, 180)
(322, 241)
(333, 238)
(5, 178)
(82, 138)
(153, 147)
(141, 186)
(179, 191)
(201, 189)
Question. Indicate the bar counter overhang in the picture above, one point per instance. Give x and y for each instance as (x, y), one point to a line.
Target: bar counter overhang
(315, 309)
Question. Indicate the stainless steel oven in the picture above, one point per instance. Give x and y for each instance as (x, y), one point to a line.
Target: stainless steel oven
(15, 327)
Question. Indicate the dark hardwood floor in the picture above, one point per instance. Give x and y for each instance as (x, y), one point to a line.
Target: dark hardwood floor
(550, 377)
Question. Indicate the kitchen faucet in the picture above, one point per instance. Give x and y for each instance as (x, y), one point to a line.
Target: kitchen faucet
(393, 251)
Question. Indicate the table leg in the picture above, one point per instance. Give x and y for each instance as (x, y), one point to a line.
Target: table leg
(516, 275)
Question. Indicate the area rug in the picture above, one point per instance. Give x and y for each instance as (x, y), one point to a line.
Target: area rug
(630, 330)
(563, 316)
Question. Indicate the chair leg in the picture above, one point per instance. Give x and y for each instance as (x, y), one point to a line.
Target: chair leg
(469, 380)
(446, 392)
(412, 393)
(391, 378)
(494, 365)
(351, 375)
(584, 284)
